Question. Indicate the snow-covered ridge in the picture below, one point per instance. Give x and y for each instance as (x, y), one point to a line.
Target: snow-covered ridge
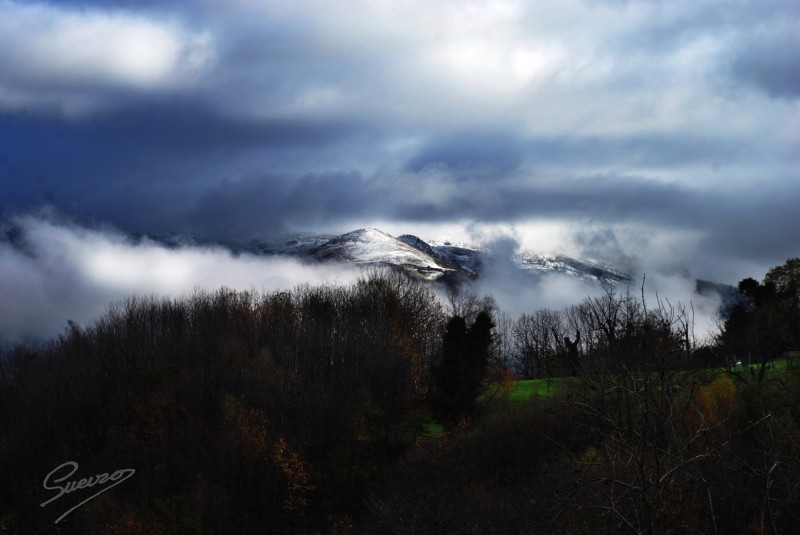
(298, 244)
(373, 246)
(464, 259)
(581, 269)
(429, 260)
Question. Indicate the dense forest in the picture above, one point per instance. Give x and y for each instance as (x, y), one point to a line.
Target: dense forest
(380, 407)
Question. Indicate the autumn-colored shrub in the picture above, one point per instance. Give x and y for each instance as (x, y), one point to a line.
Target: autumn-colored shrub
(707, 412)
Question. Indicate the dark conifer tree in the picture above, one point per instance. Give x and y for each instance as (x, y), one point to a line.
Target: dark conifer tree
(459, 375)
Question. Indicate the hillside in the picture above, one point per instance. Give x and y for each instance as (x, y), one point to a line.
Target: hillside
(373, 246)
(429, 260)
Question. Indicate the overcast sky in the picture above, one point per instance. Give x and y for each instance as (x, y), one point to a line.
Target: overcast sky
(616, 129)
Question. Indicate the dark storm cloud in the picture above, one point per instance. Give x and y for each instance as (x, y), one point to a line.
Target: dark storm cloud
(595, 197)
(499, 151)
(246, 208)
(168, 128)
(274, 203)
(662, 151)
(168, 163)
(137, 165)
(733, 224)
(493, 157)
(759, 224)
(770, 63)
(178, 127)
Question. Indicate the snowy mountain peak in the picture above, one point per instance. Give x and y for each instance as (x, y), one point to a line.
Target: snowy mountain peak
(364, 235)
(373, 246)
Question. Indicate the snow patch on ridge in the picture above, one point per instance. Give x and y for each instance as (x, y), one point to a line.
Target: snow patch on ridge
(373, 246)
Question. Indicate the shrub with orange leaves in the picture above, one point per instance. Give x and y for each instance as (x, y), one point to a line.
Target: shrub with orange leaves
(708, 410)
(297, 474)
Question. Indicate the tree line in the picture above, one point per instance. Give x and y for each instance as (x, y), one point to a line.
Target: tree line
(761, 325)
(236, 410)
(301, 412)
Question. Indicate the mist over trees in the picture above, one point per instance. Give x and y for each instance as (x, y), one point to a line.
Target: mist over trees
(606, 334)
(311, 411)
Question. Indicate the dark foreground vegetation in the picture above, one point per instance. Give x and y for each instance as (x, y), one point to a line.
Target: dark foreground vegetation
(310, 412)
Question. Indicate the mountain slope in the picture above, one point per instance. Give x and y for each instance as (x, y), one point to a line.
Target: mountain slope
(432, 262)
(462, 259)
(373, 246)
(581, 269)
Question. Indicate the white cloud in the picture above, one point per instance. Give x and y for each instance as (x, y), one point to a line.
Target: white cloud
(71, 60)
(64, 272)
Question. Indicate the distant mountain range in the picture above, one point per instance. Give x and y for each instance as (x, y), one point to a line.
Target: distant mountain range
(426, 260)
(449, 263)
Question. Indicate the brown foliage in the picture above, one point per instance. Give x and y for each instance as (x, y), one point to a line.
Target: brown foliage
(297, 474)
(709, 409)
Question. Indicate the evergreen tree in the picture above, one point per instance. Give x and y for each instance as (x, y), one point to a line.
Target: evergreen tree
(765, 323)
(459, 375)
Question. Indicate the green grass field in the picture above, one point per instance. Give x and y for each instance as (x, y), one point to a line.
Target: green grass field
(521, 391)
(774, 369)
